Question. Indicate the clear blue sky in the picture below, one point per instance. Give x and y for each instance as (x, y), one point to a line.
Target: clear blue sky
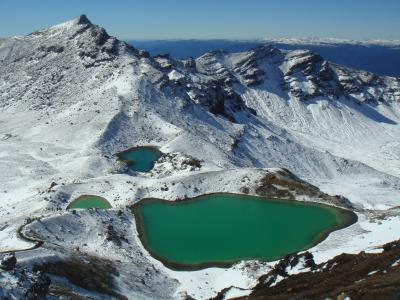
(242, 19)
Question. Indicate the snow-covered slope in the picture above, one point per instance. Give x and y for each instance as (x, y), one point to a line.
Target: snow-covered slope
(71, 97)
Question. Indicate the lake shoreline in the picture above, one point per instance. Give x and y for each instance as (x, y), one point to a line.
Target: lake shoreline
(130, 162)
(347, 218)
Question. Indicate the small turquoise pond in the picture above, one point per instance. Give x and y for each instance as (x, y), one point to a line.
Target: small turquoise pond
(221, 229)
(89, 201)
(140, 159)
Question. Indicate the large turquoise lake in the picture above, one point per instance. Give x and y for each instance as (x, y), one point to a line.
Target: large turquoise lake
(220, 229)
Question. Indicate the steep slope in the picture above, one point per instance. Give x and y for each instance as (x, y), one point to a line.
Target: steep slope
(71, 97)
(295, 110)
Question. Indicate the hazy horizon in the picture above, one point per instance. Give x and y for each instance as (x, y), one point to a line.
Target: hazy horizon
(230, 20)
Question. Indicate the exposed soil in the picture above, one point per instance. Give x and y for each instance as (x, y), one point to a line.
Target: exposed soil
(284, 184)
(359, 276)
(89, 273)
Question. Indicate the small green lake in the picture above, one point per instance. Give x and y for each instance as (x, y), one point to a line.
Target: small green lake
(140, 159)
(221, 229)
(89, 201)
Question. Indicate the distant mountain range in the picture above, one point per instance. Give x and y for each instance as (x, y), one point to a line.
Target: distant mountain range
(378, 56)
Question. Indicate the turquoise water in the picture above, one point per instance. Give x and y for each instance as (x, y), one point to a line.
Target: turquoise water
(89, 201)
(225, 228)
(140, 159)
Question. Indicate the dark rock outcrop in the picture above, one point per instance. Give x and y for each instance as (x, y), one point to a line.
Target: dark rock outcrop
(8, 262)
(286, 185)
(39, 287)
(249, 67)
(90, 273)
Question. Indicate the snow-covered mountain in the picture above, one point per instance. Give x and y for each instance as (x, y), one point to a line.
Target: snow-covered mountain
(332, 41)
(71, 97)
(377, 56)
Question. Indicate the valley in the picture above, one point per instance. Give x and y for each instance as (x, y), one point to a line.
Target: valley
(271, 123)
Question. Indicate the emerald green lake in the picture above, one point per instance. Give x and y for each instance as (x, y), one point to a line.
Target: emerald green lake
(140, 159)
(220, 229)
(89, 201)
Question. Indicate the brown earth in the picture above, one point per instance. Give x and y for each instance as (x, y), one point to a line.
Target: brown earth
(284, 184)
(367, 276)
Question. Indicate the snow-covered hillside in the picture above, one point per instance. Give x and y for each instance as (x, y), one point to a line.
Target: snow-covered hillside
(71, 97)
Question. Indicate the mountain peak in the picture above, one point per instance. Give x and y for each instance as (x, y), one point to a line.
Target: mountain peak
(82, 20)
